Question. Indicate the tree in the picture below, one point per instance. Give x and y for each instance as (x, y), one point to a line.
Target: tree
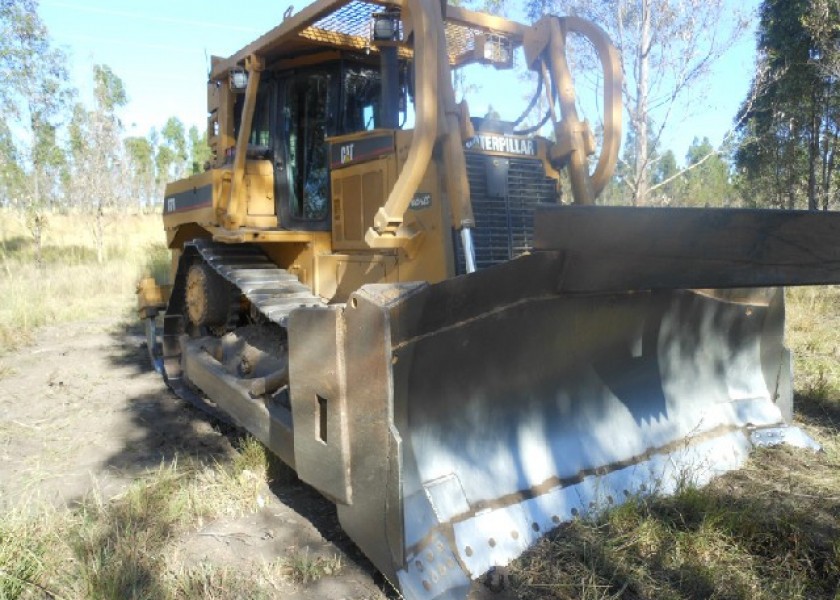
(663, 175)
(788, 136)
(662, 178)
(199, 151)
(822, 22)
(706, 180)
(98, 162)
(667, 48)
(172, 156)
(11, 174)
(140, 155)
(34, 96)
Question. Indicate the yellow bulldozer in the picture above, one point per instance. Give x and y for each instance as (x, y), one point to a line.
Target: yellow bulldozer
(393, 296)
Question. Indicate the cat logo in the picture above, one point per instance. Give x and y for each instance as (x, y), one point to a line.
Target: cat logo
(507, 144)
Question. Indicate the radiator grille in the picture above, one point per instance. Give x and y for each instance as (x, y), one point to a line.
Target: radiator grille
(504, 209)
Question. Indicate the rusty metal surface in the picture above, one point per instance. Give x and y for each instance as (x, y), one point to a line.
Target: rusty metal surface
(358, 393)
(319, 402)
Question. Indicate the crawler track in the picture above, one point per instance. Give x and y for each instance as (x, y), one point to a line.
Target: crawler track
(272, 292)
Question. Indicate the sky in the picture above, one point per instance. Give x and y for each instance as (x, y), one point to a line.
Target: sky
(161, 50)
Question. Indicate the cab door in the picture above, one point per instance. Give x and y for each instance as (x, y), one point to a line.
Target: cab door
(306, 107)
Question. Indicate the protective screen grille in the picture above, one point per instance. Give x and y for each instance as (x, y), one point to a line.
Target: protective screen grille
(460, 41)
(350, 26)
(504, 221)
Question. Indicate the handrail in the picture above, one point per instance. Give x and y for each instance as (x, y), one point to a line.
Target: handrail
(611, 65)
(234, 206)
(545, 45)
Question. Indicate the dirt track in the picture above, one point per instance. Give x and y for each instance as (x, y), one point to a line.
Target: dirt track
(82, 413)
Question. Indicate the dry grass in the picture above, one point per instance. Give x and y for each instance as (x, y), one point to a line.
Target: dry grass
(303, 567)
(212, 582)
(122, 548)
(70, 285)
(126, 547)
(813, 323)
(770, 530)
(767, 531)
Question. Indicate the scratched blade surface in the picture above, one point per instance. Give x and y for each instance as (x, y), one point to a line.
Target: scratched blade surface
(520, 416)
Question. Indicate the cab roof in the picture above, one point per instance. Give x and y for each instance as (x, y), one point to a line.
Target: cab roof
(345, 25)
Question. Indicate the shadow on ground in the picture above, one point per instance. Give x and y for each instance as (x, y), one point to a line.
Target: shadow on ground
(165, 428)
(739, 539)
(821, 410)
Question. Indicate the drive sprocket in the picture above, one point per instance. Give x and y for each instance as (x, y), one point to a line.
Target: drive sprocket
(211, 301)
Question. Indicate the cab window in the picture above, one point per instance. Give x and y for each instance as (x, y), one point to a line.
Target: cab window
(362, 90)
(306, 109)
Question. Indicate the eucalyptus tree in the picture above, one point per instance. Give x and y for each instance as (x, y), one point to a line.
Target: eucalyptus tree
(172, 151)
(11, 174)
(34, 96)
(140, 155)
(199, 150)
(706, 180)
(96, 152)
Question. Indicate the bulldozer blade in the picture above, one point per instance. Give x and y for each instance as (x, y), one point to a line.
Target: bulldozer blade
(456, 423)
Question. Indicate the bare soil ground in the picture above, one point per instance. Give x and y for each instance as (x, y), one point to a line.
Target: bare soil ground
(81, 414)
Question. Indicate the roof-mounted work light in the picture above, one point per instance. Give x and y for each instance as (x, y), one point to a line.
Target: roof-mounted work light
(386, 26)
(238, 78)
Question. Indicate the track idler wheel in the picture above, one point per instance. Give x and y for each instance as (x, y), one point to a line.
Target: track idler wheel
(210, 299)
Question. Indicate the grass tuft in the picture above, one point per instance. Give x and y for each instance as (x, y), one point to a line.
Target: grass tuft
(158, 263)
(212, 582)
(696, 544)
(21, 553)
(251, 456)
(303, 568)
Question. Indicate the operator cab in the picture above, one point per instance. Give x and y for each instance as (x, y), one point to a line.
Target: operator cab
(297, 112)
